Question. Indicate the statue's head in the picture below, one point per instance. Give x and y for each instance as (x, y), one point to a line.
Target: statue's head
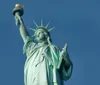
(41, 32)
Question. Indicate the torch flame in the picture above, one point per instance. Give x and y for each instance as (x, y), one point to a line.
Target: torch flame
(19, 6)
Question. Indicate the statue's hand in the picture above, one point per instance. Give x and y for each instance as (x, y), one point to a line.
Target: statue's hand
(18, 19)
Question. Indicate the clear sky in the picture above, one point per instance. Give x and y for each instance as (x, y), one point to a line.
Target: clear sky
(76, 22)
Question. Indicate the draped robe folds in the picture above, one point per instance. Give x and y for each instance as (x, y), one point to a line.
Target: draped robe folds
(41, 64)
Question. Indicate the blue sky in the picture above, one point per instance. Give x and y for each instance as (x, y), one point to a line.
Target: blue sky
(76, 22)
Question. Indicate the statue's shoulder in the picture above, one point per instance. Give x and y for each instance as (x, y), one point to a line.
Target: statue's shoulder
(28, 44)
(55, 47)
(29, 40)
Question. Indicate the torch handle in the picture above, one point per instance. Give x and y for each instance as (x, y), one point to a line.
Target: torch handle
(18, 18)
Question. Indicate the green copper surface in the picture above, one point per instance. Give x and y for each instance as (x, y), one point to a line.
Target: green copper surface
(46, 64)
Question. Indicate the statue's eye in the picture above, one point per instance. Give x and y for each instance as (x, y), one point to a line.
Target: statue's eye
(39, 32)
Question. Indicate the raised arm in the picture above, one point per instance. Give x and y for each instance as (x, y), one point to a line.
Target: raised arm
(22, 28)
(18, 11)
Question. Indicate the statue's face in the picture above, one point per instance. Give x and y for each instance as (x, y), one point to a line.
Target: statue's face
(40, 35)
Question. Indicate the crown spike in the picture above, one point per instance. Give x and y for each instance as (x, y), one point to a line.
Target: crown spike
(35, 23)
(47, 25)
(42, 22)
(51, 29)
(32, 29)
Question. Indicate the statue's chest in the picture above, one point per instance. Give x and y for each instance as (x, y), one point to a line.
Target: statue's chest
(35, 56)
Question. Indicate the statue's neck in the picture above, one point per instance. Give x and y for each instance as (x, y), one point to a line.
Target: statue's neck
(43, 43)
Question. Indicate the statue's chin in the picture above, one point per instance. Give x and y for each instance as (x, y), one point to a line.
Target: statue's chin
(41, 39)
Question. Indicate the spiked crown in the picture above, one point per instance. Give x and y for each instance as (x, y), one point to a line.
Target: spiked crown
(41, 27)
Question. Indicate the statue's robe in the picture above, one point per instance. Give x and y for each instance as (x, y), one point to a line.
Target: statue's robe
(41, 66)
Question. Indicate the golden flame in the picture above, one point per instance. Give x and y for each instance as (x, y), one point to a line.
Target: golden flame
(19, 6)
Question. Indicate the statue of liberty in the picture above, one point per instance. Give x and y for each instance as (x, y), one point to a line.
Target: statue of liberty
(45, 63)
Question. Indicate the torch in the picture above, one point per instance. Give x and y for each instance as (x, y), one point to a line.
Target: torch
(18, 11)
